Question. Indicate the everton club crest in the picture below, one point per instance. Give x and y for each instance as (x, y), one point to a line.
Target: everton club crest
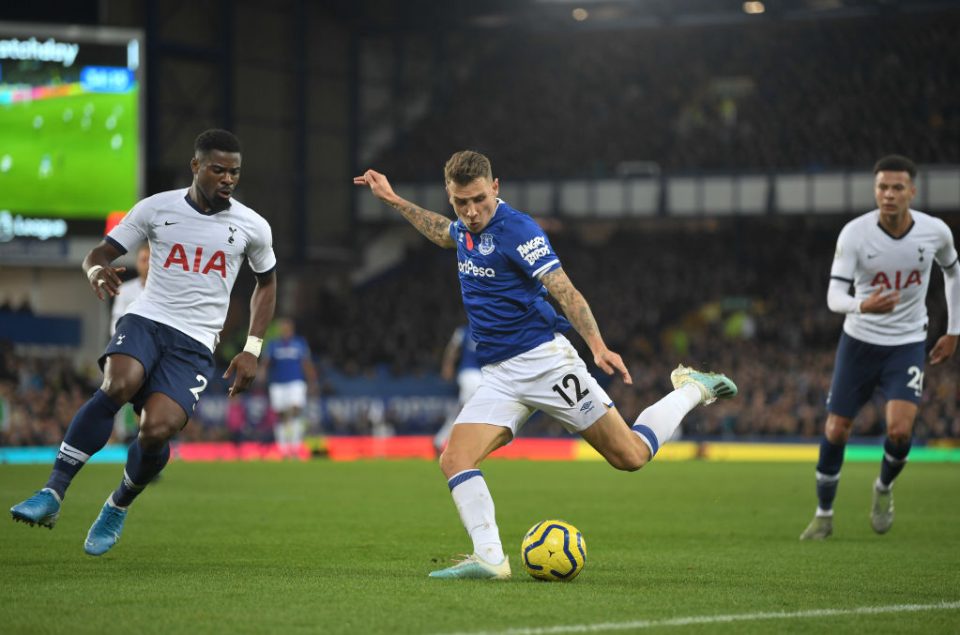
(486, 244)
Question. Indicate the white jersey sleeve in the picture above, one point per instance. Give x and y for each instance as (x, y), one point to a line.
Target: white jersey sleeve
(134, 229)
(845, 256)
(947, 259)
(842, 272)
(259, 252)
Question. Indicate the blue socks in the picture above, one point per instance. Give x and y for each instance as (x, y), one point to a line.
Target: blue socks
(88, 433)
(828, 474)
(141, 468)
(894, 458)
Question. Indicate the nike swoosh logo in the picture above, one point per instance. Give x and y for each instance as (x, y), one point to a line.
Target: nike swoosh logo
(869, 256)
(169, 223)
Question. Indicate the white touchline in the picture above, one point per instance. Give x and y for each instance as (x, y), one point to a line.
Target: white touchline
(717, 619)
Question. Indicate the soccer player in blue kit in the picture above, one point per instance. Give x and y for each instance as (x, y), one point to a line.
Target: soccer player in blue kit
(160, 358)
(507, 266)
(287, 363)
(887, 255)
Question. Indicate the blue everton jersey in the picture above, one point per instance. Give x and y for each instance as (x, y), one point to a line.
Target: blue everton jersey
(286, 359)
(500, 271)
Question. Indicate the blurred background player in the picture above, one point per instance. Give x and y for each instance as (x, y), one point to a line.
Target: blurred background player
(290, 369)
(161, 356)
(460, 355)
(131, 289)
(506, 268)
(126, 422)
(887, 255)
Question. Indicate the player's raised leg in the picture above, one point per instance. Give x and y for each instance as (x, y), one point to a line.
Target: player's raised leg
(900, 418)
(88, 432)
(469, 444)
(631, 448)
(162, 418)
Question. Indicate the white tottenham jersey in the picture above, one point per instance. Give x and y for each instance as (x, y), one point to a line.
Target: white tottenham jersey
(870, 258)
(194, 259)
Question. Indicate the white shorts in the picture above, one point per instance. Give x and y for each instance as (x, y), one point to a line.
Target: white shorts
(469, 379)
(550, 377)
(287, 395)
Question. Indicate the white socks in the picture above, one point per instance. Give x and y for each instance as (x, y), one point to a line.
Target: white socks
(473, 501)
(657, 423)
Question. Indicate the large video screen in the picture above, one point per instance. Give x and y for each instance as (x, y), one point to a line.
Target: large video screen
(70, 120)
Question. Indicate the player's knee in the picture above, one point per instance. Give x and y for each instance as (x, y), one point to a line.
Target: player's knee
(452, 462)
(838, 429)
(898, 435)
(120, 389)
(154, 434)
(630, 460)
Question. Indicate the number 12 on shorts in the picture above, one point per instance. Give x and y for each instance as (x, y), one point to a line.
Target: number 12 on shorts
(574, 389)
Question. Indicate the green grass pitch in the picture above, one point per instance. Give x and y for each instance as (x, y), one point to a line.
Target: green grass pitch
(71, 157)
(327, 547)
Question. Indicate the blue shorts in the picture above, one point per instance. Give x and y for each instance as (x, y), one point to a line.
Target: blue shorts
(860, 368)
(175, 364)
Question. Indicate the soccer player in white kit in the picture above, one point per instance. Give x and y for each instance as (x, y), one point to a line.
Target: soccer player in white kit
(507, 267)
(887, 255)
(161, 357)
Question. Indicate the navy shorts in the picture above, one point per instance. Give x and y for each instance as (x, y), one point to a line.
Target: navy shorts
(861, 368)
(175, 364)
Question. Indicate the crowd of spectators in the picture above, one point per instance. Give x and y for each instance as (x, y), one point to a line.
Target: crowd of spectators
(743, 296)
(786, 94)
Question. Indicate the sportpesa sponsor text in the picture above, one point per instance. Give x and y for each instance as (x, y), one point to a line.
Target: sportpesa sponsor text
(468, 268)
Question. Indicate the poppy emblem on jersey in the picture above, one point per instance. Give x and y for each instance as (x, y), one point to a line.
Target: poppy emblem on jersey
(486, 244)
(469, 241)
(233, 230)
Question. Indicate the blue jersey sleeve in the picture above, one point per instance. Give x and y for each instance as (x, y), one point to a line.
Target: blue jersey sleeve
(530, 249)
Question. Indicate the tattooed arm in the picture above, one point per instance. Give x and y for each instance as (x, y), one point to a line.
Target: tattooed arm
(577, 310)
(435, 227)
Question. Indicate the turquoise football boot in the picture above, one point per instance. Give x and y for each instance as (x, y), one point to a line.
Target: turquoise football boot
(474, 568)
(43, 508)
(105, 530)
(712, 386)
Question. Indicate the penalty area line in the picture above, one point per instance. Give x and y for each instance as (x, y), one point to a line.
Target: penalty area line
(717, 619)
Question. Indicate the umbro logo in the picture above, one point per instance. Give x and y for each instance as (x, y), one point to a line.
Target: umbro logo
(587, 406)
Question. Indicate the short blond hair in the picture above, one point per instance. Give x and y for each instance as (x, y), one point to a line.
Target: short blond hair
(466, 166)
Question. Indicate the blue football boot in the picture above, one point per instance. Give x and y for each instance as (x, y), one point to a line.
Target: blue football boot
(43, 508)
(105, 530)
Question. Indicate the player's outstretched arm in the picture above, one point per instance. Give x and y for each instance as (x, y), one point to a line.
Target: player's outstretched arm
(262, 304)
(946, 346)
(103, 279)
(577, 310)
(435, 227)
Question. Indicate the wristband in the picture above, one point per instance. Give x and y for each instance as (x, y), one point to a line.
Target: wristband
(253, 345)
(93, 271)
